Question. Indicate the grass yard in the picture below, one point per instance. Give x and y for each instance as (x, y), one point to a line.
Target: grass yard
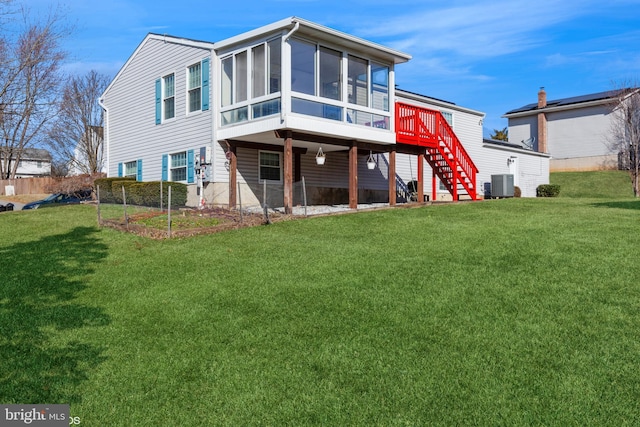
(501, 312)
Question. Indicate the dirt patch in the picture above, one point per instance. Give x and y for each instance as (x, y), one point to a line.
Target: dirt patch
(191, 222)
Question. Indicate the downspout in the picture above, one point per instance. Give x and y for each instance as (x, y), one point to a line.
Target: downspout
(286, 95)
(105, 148)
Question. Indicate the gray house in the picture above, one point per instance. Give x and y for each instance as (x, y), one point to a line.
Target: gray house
(289, 106)
(573, 131)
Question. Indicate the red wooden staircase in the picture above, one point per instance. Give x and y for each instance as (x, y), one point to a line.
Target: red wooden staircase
(443, 150)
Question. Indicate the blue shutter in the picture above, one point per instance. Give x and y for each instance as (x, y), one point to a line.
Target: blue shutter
(158, 102)
(190, 167)
(119, 169)
(165, 167)
(139, 174)
(205, 84)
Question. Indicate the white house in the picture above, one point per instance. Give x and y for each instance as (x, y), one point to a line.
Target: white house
(284, 105)
(574, 131)
(34, 162)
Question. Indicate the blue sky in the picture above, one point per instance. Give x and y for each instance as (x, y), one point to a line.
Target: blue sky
(491, 56)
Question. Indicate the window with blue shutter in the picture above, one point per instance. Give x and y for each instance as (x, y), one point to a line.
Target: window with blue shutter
(139, 172)
(119, 170)
(158, 102)
(190, 167)
(165, 167)
(205, 84)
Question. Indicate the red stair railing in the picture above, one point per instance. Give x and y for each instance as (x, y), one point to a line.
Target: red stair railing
(446, 155)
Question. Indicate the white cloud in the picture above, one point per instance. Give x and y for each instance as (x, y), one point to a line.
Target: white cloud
(478, 29)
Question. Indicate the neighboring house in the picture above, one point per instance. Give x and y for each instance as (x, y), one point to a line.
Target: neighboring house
(34, 162)
(80, 163)
(267, 107)
(573, 131)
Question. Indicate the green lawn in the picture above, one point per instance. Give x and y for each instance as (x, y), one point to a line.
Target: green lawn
(501, 312)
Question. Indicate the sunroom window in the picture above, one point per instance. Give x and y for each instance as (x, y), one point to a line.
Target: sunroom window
(251, 80)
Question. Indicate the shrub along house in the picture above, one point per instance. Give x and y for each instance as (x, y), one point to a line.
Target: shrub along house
(287, 103)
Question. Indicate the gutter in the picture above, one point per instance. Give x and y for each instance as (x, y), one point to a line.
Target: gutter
(105, 149)
(286, 96)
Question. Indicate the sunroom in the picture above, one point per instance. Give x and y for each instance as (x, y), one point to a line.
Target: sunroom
(296, 85)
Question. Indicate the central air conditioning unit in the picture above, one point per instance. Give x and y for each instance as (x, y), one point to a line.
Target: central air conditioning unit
(501, 186)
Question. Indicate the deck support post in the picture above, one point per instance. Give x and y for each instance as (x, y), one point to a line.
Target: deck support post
(392, 177)
(288, 172)
(353, 176)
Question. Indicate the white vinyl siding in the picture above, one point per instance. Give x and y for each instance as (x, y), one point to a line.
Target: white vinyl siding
(132, 130)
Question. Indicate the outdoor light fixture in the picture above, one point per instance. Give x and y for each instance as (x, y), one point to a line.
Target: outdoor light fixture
(371, 163)
(320, 157)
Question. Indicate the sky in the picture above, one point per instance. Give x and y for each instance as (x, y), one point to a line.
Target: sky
(487, 55)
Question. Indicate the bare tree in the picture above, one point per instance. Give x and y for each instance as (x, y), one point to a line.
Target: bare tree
(624, 136)
(77, 135)
(29, 80)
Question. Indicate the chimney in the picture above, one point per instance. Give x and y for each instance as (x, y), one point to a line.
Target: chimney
(542, 121)
(542, 98)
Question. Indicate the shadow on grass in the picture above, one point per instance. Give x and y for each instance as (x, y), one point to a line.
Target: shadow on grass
(630, 204)
(40, 281)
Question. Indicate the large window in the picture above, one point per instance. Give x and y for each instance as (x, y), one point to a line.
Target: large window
(169, 97)
(270, 166)
(194, 88)
(330, 74)
(178, 166)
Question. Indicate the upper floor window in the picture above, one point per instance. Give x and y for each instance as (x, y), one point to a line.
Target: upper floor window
(251, 74)
(168, 97)
(194, 88)
(358, 81)
(315, 70)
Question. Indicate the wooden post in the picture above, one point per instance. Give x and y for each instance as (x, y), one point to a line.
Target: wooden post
(420, 189)
(98, 197)
(124, 204)
(288, 173)
(353, 175)
(169, 213)
(233, 175)
(392, 177)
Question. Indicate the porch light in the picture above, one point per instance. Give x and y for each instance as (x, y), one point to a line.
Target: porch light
(371, 163)
(320, 157)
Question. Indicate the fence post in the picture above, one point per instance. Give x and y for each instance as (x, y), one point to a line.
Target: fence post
(98, 209)
(160, 195)
(240, 201)
(124, 203)
(304, 196)
(169, 213)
